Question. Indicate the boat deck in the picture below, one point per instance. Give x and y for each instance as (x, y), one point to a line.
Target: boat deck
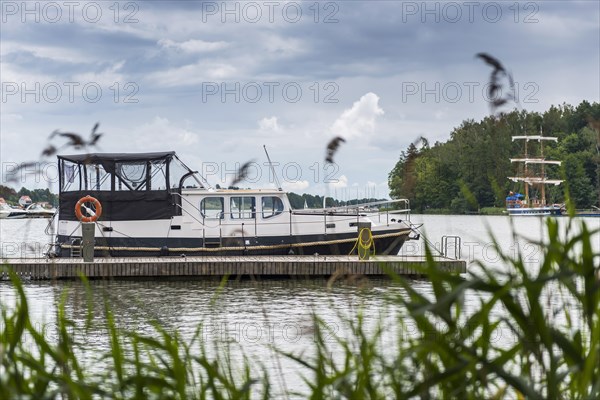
(240, 266)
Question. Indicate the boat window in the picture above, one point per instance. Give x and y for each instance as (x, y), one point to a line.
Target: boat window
(158, 175)
(271, 206)
(177, 171)
(141, 175)
(71, 177)
(130, 176)
(243, 207)
(212, 207)
(96, 178)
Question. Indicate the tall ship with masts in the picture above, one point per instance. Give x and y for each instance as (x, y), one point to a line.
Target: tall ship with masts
(532, 173)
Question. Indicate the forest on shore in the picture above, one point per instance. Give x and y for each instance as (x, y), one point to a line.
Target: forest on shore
(37, 195)
(470, 171)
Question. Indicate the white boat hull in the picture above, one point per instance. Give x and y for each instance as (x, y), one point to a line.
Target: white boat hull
(535, 211)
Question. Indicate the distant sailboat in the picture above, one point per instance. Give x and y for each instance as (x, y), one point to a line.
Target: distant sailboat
(522, 204)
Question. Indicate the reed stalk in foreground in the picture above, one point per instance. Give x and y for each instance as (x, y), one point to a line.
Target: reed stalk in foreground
(551, 315)
(136, 366)
(535, 334)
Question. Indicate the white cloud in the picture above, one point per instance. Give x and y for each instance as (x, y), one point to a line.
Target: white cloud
(371, 184)
(283, 46)
(10, 117)
(192, 74)
(192, 45)
(14, 74)
(339, 183)
(161, 130)
(60, 54)
(295, 186)
(105, 78)
(269, 124)
(557, 26)
(360, 119)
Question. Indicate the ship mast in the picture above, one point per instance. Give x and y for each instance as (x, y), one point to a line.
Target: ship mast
(526, 173)
(543, 203)
(535, 180)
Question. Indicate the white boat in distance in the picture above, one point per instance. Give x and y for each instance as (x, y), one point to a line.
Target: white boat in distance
(154, 205)
(40, 210)
(9, 212)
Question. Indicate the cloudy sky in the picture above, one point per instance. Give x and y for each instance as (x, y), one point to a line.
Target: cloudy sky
(215, 81)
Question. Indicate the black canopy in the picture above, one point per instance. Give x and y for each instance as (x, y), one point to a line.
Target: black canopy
(108, 160)
(121, 205)
(97, 157)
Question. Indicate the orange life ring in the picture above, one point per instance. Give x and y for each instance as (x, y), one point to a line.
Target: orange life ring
(97, 206)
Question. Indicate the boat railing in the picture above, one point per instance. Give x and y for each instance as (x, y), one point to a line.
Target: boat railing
(355, 211)
(49, 231)
(361, 208)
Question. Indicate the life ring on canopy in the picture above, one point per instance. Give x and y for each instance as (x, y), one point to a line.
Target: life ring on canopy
(95, 214)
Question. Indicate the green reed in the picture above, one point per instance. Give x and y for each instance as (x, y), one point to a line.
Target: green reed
(551, 315)
(157, 365)
(550, 312)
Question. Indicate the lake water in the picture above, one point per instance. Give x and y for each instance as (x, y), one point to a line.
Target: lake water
(257, 314)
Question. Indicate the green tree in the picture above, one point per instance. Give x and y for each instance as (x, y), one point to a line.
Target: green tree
(471, 168)
(403, 178)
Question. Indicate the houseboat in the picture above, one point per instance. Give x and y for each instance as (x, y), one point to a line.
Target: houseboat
(152, 204)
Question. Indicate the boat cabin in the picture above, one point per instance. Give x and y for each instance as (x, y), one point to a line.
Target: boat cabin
(154, 205)
(153, 186)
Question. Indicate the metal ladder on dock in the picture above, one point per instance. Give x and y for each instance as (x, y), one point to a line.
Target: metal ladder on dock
(76, 248)
(455, 242)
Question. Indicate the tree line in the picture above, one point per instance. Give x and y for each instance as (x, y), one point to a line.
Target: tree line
(469, 171)
(37, 195)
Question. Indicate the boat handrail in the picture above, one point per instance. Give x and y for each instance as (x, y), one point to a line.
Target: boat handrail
(344, 210)
(356, 209)
(355, 206)
(399, 211)
(50, 226)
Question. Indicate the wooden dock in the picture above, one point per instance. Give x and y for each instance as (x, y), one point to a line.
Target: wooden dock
(257, 266)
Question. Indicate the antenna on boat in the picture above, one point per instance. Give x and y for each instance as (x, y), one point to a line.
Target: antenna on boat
(272, 169)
